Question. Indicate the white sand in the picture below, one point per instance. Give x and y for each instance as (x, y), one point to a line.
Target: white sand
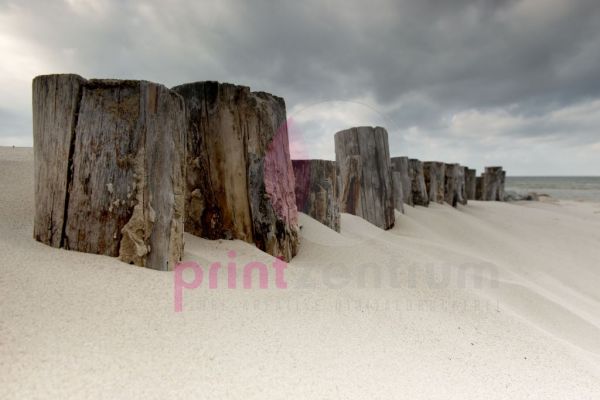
(75, 325)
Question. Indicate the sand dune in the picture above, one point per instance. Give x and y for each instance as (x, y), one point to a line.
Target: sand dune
(491, 300)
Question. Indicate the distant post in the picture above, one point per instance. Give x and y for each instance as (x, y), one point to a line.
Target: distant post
(455, 185)
(363, 158)
(435, 174)
(493, 184)
(471, 183)
(402, 182)
(316, 191)
(417, 178)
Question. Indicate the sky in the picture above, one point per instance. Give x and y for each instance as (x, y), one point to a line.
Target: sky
(480, 82)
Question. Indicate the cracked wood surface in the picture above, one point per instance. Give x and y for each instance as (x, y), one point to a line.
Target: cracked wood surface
(108, 168)
(363, 160)
(240, 181)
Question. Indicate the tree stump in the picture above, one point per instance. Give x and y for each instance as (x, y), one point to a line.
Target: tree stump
(109, 173)
(240, 180)
(455, 185)
(435, 176)
(363, 160)
(402, 181)
(417, 182)
(471, 183)
(493, 184)
(316, 191)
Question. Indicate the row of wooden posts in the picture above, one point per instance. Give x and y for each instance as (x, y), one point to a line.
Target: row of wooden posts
(124, 167)
(366, 182)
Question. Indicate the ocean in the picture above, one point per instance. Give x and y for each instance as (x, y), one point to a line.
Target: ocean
(583, 188)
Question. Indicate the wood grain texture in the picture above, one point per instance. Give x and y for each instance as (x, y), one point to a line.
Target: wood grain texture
(471, 183)
(402, 181)
(317, 192)
(165, 124)
(435, 175)
(479, 187)
(398, 190)
(455, 185)
(105, 133)
(56, 101)
(363, 160)
(462, 185)
(493, 184)
(417, 182)
(240, 180)
(125, 174)
(501, 191)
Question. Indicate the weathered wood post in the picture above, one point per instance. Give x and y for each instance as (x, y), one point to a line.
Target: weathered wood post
(398, 190)
(492, 184)
(317, 191)
(450, 184)
(479, 187)
(501, 187)
(402, 181)
(471, 183)
(455, 185)
(240, 180)
(462, 185)
(363, 159)
(109, 172)
(435, 175)
(417, 182)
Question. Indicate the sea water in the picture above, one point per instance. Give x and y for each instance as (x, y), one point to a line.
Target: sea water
(583, 188)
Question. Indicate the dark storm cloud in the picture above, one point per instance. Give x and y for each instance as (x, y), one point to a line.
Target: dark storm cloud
(419, 62)
(464, 52)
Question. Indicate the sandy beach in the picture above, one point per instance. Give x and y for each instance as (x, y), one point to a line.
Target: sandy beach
(490, 300)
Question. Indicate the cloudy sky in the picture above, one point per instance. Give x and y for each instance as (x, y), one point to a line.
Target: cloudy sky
(481, 82)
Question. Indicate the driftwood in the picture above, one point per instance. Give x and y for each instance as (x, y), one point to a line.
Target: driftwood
(471, 183)
(109, 173)
(417, 182)
(435, 176)
(402, 182)
(363, 160)
(316, 191)
(240, 180)
(493, 184)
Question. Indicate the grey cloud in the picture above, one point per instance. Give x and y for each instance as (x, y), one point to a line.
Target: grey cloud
(420, 61)
(463, 53)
